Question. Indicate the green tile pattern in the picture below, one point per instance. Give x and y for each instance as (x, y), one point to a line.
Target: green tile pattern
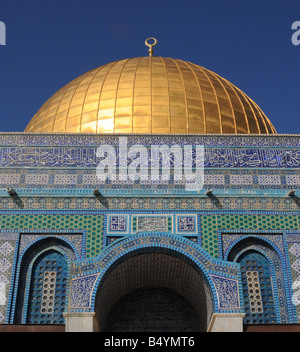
(92, 224)
(210, 224)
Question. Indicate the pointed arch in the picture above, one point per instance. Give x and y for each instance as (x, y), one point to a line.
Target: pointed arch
(148, 259)
(261, 259)
(26, 279)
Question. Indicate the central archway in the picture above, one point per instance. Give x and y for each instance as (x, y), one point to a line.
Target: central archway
(149, 286)
(154, 260)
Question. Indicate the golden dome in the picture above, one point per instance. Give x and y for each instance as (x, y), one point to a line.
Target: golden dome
(150, 95)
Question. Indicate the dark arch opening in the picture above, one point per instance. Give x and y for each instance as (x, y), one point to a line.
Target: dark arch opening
(153, 309)
(153, 273)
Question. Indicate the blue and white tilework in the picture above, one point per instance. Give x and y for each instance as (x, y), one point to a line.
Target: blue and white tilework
(249, 175)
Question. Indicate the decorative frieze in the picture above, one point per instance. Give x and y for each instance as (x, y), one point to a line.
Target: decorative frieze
(86, 157)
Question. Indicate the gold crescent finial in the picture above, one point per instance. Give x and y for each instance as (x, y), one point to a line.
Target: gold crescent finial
(150, 51)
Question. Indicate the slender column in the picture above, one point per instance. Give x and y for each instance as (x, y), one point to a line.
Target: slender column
(226, 322)
(81, 322)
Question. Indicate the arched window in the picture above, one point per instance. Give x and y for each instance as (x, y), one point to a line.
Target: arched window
(264, 280)
(47, 292)
(257, 288)
(42, 282)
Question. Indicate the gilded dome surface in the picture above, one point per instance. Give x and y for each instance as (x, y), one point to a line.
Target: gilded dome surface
(150, 95)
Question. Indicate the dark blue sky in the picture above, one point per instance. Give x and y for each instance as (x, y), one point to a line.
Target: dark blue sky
(51, 42)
